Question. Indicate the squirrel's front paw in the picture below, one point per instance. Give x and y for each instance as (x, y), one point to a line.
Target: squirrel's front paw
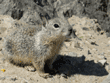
(45, 75)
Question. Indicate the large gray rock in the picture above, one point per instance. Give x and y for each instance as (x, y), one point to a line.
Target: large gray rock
(20, 9)
(45, 8)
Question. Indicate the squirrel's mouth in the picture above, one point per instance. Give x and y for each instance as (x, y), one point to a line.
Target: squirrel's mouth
(68, 38)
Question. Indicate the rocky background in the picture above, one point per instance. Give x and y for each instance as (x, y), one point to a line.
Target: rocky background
(33, 11)
(84, 59)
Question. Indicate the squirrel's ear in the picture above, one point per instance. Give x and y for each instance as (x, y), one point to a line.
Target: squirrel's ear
(46, 22)
(43, 28)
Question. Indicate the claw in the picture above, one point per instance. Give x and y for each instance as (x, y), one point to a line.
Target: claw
(45, 75)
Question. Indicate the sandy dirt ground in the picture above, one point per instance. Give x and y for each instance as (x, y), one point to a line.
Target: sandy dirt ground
(91, 43)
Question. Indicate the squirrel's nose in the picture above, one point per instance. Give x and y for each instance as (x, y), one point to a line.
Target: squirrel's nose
(70, 31)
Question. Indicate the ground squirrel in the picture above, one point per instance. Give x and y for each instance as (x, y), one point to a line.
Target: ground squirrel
(37, 46)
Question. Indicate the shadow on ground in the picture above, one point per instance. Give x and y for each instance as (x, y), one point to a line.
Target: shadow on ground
(67, 65)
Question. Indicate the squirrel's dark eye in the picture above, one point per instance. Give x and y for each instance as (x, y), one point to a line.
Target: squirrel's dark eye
(56, 25)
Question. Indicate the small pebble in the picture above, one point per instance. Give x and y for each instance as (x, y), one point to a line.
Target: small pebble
(84, 28)
(101, 57)
(102, 53)
(30, 68)
(89, 52)
(77, 44)
(2, 78)
(107, 45)
(102, 62)
(94, 49)
(14, 79)
(89, 35)
(58, 76)
(93, 43)
(63, 75)
(72, 54)
(23, 81)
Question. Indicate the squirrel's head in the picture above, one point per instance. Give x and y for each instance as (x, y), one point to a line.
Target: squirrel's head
(58, 27)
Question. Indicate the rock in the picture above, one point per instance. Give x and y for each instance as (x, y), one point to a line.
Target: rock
(84, 28)
(89, 52)
(94, 49)
(93, 42)
(23, 81)
(102, 62)
(87, 42)
(48, 8)
(30, 68)
(63, 75)
(101, 57)
(2, 78)
(77, 45)
(102, 53)
(13, 79)
(31, 17)
(90, 35)
(72, 54)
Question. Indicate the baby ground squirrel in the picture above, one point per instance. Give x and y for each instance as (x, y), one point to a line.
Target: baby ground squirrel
(37, 46)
